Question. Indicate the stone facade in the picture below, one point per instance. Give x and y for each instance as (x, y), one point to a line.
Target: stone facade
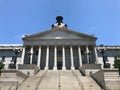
(6, 52)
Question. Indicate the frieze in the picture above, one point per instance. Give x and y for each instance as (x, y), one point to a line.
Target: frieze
(60, 42)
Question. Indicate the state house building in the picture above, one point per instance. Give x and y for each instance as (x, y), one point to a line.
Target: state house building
(57, 49)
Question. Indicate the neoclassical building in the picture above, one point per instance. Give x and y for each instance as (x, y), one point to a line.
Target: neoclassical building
(57, 49)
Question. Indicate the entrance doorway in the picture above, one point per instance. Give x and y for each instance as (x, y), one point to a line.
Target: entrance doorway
(59, 65)
(59, 59)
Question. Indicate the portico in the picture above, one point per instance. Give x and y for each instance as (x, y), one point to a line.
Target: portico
(56, 57)
(59, 48)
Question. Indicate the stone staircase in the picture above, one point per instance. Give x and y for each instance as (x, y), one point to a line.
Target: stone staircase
(59, 80)
(86, 82)
(112, 79)
(32, 82)
(11, 79)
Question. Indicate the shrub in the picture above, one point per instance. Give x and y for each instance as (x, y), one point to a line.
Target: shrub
(117, 63)
(1, 65)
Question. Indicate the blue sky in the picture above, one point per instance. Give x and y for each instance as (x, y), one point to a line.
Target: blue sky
(98, 17)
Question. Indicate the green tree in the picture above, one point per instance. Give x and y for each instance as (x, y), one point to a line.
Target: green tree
(1, 66)
(117, 62)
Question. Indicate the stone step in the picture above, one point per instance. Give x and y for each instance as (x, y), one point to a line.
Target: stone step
(114, 87)
(113, 82)
(111, 73)
(88, 83)
(32, 82)
(59, 80)
(78, 72)
(112, 78)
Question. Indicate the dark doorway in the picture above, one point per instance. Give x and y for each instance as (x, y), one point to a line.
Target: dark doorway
(59, 65)
(59, 59)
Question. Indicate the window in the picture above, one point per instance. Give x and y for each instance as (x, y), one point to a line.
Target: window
(3, 58)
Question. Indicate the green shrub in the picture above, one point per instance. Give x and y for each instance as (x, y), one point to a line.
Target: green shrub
(1, 65)
(117, 63)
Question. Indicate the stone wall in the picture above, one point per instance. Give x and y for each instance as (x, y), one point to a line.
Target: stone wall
(99, 78)
(88, 69)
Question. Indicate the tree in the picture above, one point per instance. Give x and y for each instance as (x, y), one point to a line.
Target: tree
(1, 66)
(117, 62)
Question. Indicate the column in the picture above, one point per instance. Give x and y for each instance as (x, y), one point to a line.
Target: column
(80, 56)
(87, 51)
(72, 61)
(31, 54)
(63, 58)
(55, 58)
(47, 58)
(96, 56)
(39, 57)
(23, 55)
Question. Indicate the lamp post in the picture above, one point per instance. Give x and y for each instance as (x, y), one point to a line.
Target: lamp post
(102, 50)
(16, 51)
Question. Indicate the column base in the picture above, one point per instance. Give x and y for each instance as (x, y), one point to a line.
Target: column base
(54, 68)
(80, 66)
(46, 68)
(72, 68)
(63, 68)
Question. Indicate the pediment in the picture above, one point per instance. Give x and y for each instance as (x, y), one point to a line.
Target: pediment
(59, 34)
